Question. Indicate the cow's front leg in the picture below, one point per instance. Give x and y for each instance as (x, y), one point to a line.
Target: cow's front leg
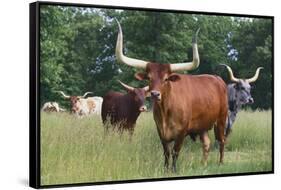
(131, 131)
(176, 150)
(166, 149)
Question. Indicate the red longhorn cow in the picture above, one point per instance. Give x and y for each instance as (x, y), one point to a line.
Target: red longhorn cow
(182, 104)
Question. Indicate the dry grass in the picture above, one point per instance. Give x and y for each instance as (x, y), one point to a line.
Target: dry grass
(77, 150)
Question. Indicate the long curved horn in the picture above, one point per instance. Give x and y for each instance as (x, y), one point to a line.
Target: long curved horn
(122, 58)
(147, 93)
(189, 65)
(232, 77)
(65, 96)
(255, 77)
(126, 86)
(86, 94)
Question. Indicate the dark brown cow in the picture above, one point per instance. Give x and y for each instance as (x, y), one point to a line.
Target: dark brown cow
(182, 104)
(122, 110)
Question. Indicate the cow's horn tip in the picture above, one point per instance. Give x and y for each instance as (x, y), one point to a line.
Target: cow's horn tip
(194, 39)
(222, 64)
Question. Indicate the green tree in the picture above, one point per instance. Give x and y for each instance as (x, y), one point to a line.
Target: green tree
(253, 43)
(77, 48)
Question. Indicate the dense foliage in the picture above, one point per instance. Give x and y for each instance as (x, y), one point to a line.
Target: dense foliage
(77, 48)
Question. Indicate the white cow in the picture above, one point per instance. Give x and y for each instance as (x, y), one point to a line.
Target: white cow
(52, 107)
(98, 101)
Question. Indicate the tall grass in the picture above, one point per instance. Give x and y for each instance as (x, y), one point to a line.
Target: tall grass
(77, 150)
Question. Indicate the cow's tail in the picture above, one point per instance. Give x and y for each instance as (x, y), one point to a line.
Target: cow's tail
(228, 126)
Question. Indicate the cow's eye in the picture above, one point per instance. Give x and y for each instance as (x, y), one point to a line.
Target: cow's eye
(136, 98)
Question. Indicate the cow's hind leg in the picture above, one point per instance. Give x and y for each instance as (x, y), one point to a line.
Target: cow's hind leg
(219, 133)
(205, 145)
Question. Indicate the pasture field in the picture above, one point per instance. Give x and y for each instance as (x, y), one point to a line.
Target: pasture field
(77, 150)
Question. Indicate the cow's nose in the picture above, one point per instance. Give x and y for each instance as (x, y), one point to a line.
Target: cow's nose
(251, 100)
(155, 93)
(143, 108)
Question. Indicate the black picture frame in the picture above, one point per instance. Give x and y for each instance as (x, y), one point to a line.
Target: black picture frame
(34, 91)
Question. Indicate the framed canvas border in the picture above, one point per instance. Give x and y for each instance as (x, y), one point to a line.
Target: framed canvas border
(34, 102)
(34, 91)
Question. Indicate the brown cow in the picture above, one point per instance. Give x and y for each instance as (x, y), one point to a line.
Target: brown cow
(182, 104)
(122, 110)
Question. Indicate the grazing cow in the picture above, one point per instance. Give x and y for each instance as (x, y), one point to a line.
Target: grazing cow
(80, 105)
(182, 104)
(122, 110)
(52, 107)
(239, 94)
(98, 102)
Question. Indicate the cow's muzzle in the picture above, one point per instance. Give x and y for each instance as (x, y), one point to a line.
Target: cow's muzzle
(156, 95)
(143, 108)
(74, 110)
(251, 100)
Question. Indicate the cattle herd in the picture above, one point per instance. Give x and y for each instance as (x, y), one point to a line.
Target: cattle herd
(182, 105)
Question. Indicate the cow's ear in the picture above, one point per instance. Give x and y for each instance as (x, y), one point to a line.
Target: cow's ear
(141, 76)
(173, 78)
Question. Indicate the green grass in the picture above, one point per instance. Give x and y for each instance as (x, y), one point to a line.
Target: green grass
(77, 150)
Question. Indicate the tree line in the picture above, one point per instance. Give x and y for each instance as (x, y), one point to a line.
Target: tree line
(77, 48)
